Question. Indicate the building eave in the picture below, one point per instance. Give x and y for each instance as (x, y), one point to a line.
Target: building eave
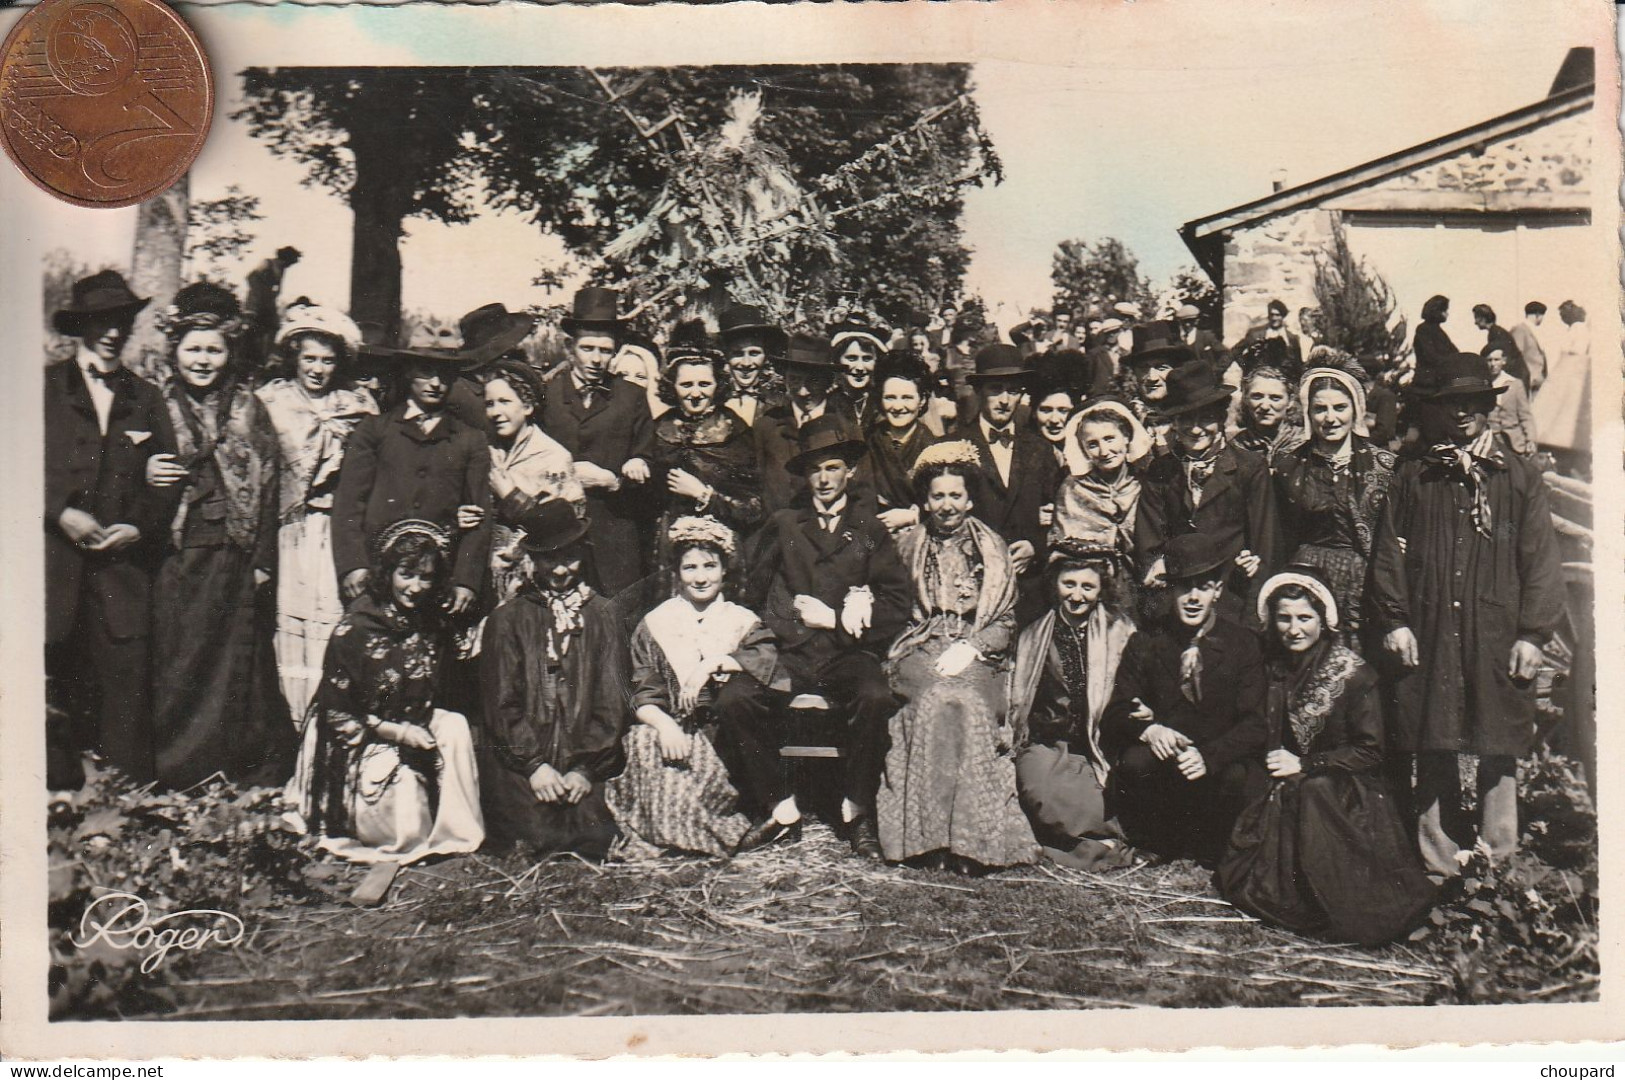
(1205, 236)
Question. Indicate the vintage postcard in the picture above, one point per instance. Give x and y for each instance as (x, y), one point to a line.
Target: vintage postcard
(591, 528)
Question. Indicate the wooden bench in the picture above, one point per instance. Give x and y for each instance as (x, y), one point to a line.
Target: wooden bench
(802, 709)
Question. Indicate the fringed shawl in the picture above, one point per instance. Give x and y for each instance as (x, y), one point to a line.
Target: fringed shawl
(243, 446)
(1105, 636)
(996, 590)
(312, 431)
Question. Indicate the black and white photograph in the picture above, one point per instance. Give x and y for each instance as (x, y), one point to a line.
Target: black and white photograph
(897, 509)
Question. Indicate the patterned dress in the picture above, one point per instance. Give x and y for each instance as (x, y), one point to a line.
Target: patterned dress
(1332, 507)
(950, 779)
(690, 805)
(371, 799)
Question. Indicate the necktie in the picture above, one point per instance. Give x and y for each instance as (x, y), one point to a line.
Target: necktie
(1005, 438)
(828, 521)
(1190, 669)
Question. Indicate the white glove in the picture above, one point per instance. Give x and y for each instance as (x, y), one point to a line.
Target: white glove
(858, 611)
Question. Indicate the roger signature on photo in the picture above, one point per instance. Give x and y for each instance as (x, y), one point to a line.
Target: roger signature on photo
(124, 921)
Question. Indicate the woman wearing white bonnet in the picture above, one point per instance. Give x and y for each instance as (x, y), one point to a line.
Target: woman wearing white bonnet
(313, 412)
(1332, 489)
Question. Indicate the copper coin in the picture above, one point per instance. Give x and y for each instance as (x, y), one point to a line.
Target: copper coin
(104, 102)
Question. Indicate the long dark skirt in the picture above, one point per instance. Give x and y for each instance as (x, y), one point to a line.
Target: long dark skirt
(216, 705)
(1326, 855)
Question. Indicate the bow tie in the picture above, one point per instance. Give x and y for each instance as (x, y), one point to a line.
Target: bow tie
(1005, 438)
(103, 377)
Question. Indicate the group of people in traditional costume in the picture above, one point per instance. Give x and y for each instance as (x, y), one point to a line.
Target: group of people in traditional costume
(1074, 600)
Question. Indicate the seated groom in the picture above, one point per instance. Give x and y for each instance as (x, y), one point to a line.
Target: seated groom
(827, 581)
(1186, 717)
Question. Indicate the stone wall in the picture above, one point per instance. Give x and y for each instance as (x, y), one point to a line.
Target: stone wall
(1543, 170)
(1273, 259)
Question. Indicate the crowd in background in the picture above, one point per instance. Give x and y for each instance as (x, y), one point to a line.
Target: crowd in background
(1105, 591)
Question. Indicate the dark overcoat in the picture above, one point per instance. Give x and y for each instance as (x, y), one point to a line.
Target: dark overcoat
(1227, 724)
(1467, 598)
(392, 470)
(613, 430)
(1238, 508)
(792, 556)
(106, 477)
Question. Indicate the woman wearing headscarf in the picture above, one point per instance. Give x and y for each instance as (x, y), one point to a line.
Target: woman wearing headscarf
(675, 792)
(949, 792)
(1065, 665)
(1324, 850)
(383, 775)
(1332, 489)
(1106, 445)
(313, 413)
(216, 704)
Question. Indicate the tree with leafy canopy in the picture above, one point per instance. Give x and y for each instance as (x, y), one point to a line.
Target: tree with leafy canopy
(441, 143)
(1086, 274)
(215, 233)
(1356, 305)
(1188, 285)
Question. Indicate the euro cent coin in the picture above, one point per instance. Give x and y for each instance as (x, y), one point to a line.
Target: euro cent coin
(104, 103)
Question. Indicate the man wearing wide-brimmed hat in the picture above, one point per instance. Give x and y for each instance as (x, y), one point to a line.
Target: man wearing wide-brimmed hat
(1187, 713)
(810, 372)
(753, 346)
(1287, 347)
(1468, 587)
(1207, 485)
(827, 581)
(416, 460)
(605, 423)
(1018, 472)
(556, 675)
(104, 525)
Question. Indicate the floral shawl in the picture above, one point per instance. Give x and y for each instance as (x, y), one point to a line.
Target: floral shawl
(243, 445)
(995, 586)
(1306, 696)
(311, 431)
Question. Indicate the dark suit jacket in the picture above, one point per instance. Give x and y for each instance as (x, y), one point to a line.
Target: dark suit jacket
(793, 556)
(106, 477)
(613, 430)
(392, 470)
(776, 436)
(1012, 510)
(1238, 508)
(1229, 721)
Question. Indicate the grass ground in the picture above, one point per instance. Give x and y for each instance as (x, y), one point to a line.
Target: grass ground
(796, 928)
(801, 927)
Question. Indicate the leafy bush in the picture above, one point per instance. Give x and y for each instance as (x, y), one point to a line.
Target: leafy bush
(1525, 928)
(214, 848)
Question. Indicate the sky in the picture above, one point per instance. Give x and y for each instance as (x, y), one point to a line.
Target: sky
(1112, 119)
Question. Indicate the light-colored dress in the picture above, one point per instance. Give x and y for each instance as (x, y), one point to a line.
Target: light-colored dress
(368, 798)
(692, 805)
(310, 432)
(1562, 409)
(950, 779)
